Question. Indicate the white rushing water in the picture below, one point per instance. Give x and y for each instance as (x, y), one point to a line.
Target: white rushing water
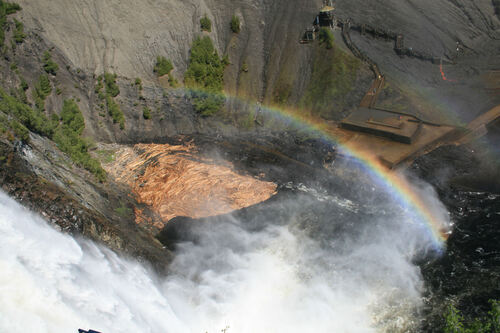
(273, 280)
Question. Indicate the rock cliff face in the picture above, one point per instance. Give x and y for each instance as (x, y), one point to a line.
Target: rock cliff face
(438, 28)
(126, 36)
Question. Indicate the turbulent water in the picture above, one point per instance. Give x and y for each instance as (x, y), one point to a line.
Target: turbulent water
(308, 261)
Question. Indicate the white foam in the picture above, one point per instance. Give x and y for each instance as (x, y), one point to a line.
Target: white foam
(273, 280)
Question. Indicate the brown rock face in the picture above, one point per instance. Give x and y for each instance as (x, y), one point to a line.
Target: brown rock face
(175, 181)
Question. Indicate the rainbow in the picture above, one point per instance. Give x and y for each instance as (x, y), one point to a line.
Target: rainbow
(395, 183)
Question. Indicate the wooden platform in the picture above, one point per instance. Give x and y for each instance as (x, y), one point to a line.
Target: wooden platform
(393, 153)
(478, 127)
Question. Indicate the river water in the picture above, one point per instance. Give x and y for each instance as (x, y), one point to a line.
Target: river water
(309, 260)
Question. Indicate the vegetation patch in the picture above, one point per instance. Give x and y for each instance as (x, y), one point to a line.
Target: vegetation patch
(71, 116)
(19, 34)
(205, 24)
(42, 90)
(20, 130)
(455, 322)
(19, 118)
(68, 138)
(282, 92)
(205, 77)
(325, 37)
(172, 81)
(112, 88)
(108, 81)
(6, 8)
(49, 66)
(333, 77)
(34, 120)
(123, 210)
(106, 156)
(65, 130)
(21, 91)
(235, 24)
(138, 83)
(98, 88)
(115, 112)
(163, 66)
(146, 113)
(244, 67)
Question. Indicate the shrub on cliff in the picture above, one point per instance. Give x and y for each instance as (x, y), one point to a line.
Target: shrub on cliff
(325, 36)
(146, 113)
(205, 24)
(42, 89)
(333, 77)
(163, 66)
(71, 116)
(49, 65)
(76, 147)
(115, 112)
(6, 8)
(68, 138)
(235, 24)
(19, 34)
(10, 7)
(34, 120)
(44, 86)
(112, 88)
(20, 130)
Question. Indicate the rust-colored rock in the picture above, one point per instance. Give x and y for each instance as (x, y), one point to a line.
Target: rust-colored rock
(175, 181)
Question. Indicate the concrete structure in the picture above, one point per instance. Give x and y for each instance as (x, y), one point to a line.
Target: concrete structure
(397, 127)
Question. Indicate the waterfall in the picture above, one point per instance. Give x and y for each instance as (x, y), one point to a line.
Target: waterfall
(278, 277)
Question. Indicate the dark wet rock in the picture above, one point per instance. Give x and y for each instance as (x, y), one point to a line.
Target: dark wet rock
(468, 274)
(76, 217)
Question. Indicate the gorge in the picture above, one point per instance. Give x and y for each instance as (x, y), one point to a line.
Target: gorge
(180, 166)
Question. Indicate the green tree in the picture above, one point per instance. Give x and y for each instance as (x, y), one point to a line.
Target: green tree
(6, 8)
(235, 24)
(71, 116)
(34, 120)
(112, 88)
(20, 130)
(115, 112)
(205, 24)
(146, 113)
(163, 66)
(44, 86)
(205, 70)
(65, 130)
(205, 77)
(49, 65)
(138, 83)
(19, 34)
